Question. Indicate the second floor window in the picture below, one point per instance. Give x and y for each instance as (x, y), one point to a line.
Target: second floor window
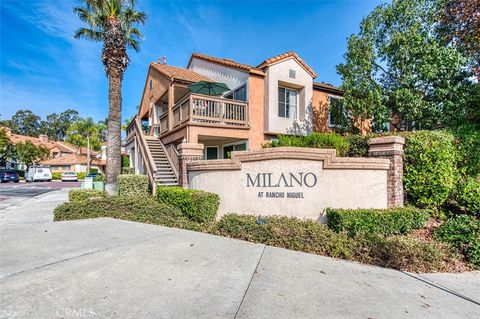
(239, 94)
(287, 103)
(337, 116)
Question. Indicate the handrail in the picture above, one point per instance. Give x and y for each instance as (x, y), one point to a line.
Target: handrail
(147, 157)
(170, 161)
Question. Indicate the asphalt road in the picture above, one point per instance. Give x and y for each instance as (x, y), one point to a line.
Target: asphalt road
(23, 189)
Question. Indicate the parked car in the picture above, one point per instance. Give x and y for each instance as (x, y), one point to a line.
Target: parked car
(7, 175)
(69, 177)
(36, 173)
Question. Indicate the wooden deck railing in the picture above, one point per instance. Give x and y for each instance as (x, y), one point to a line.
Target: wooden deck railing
(209, 109)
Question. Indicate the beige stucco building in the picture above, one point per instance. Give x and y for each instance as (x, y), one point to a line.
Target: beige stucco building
(278, 96)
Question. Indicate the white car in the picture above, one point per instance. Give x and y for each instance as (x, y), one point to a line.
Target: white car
(38, 174)
(69, 177)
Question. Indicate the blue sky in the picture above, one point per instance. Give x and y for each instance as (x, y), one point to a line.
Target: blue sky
(45, 70)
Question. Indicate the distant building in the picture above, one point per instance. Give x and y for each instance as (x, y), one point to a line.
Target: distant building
(63, 156)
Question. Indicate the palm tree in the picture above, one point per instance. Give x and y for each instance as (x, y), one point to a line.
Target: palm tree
(112, 22)
(81, 130)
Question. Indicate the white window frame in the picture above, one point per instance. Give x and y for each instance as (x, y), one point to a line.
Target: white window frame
(296, 106)
(218, 151)
(330, 124)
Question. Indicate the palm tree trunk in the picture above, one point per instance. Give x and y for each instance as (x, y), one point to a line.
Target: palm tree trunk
(88, 154)
(114, 132)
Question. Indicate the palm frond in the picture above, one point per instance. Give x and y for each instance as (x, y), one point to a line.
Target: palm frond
(89, 34)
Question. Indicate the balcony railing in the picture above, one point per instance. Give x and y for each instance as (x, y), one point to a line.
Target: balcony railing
(206, 109)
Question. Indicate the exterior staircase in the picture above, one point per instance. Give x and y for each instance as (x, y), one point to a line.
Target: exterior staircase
(164, 175)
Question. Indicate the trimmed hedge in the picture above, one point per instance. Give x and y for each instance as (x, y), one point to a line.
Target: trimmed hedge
(463, 233)
(429, 167)
(467, 139)
(195, 204)
(128, 170)
(143, 209)
(56, 176)
(397, 252)
(83, 194)
(133, 185)
(358, 145)
(314, 140)
(384, 222)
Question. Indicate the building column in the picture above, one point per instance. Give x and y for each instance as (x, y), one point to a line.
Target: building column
(187, 152)
(391, 147)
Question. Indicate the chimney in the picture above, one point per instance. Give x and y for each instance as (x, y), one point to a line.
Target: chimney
(43, 138)
(164, 60)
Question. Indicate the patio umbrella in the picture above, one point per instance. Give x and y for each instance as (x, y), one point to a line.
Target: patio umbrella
(208, 88)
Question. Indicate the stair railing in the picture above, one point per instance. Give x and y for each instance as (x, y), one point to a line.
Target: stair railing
(147, 157)
(172, 157)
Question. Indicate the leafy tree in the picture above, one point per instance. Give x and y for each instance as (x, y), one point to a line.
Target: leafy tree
(112, 22)
(29, 154)
(24, 122)
(460, 25)
(7, 149)
(85, 132)
(398, 67)
(56, 125)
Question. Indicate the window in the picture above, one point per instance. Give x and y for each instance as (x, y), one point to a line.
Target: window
(337, 117)
(151, 84)
(287, 103)
(239, 94)
(291, 74)
(211, 152)
(227, 150)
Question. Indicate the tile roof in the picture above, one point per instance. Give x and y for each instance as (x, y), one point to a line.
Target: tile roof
(285, 56)
(176, 73)
(72, 159)
(327, 87)
(227, 62)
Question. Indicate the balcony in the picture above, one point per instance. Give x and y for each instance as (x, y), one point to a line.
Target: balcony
(206, 109)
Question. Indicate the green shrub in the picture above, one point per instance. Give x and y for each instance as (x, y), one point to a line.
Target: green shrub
(82, 194)
(81, 175)
(385, 222)
(314, 140)
(463, 233)
(125, 161)
(468, 195)
(197, 205)
(358, 145)
(133, 185)
(128, 170)
(429, 167)
(56, 176)
(467, 139)
(287, 232)
(398, 252)
(143, 209)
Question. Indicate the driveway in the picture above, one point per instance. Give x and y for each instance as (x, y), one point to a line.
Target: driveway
(106, 268)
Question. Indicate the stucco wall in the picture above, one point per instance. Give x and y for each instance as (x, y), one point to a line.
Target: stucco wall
(320, 111)
(340, 182)
(159, 87)
(278, 75)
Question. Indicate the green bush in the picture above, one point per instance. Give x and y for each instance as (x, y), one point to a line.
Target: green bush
(125, 161)
(82, 194)
(397, 252)
(56, 176)
(429, 167)
(314, 140)
(143, 209)
(463, 233)
(99, 178)
(384, 222)
(128, 170)
(468, 195)
(197, 205)
(358, 145)
(467, 139)
(81, 175)
(133, 185)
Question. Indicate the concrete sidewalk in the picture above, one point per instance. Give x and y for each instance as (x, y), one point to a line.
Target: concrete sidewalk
(106, 268)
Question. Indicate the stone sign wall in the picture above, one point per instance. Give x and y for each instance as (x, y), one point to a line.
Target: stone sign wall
(298, 182)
